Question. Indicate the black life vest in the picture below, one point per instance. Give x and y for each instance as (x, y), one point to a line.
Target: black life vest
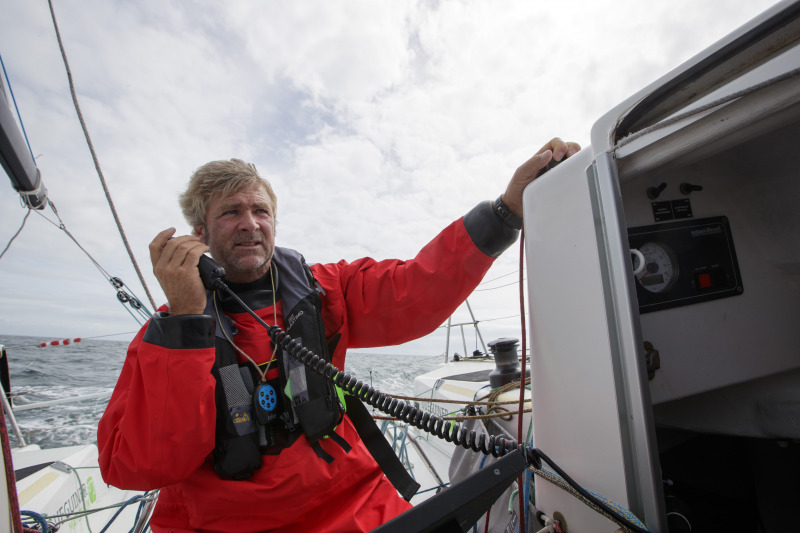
(245, 431)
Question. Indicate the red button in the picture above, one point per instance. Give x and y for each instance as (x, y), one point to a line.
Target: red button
(704, 280)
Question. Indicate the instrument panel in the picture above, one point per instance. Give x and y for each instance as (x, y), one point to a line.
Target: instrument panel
(685, 262)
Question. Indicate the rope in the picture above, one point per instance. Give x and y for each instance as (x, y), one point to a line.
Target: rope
(493, 409)
(556, 480)
(95, 160)
(40, 520)
(16, 234)
(494, 405)
(461, 418)
(460, 402)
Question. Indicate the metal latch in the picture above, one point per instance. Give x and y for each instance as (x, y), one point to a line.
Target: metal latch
(652, 360)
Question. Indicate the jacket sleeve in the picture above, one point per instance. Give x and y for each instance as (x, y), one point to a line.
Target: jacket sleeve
(159, 424)
(392, 302)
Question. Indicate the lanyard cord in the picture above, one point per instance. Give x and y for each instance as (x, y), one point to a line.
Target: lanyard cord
(262, 374)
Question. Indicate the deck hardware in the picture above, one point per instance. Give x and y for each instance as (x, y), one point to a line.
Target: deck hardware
(652, 360)
(654, 192)
(688, 188)
(561, 521)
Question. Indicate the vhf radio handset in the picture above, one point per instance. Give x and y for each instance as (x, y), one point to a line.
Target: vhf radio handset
(210, 272)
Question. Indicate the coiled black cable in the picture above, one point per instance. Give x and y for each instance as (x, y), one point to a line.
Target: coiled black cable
(406, 412)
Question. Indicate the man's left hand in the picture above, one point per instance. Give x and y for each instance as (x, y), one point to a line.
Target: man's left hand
(532, 169)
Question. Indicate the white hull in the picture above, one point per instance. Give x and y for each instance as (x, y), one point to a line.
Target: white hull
(71, 483)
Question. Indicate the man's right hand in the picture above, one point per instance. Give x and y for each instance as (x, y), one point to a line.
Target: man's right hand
(175, 266)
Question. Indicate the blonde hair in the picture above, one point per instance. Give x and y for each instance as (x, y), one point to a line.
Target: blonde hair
(218, 179)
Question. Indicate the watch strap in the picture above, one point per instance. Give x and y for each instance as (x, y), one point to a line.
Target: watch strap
(502, 211)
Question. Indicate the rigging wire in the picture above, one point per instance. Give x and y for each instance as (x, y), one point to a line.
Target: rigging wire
(63, 227)
(95, 160)
(28, 345)
(131, 299)
(16, 234)
(14, 100)
(513, 273)
(482, 320)
(499, 286)
(112, 335)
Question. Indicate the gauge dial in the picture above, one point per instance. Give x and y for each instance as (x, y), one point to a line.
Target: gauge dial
(661, 267)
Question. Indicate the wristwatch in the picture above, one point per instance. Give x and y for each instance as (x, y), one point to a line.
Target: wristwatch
(504, 213)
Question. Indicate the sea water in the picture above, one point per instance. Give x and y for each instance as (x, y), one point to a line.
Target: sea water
(92, 366)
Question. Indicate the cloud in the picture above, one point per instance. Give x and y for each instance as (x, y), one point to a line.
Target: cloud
(337, 52)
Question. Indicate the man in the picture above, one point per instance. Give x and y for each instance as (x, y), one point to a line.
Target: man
(182, 414)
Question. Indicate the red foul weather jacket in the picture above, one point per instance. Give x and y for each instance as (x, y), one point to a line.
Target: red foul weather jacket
(159, 427)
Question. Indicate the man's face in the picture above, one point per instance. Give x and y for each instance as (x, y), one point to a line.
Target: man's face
(240, 233)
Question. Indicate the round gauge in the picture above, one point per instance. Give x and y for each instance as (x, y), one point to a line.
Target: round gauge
(660, 269)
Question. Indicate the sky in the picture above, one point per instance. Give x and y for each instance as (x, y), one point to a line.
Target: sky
(377, 124)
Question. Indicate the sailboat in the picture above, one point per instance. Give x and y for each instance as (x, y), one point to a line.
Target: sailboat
(663, 267)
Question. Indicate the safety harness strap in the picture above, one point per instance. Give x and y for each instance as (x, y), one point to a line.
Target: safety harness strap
(380, 449)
